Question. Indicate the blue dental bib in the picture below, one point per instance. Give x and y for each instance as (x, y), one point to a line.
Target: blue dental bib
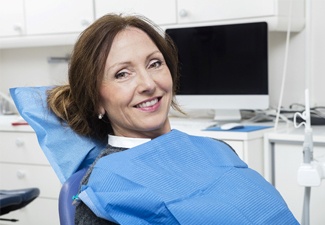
(182, 179)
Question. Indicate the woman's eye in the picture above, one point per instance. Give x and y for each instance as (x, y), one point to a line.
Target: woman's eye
(121, 75)
(155, 64)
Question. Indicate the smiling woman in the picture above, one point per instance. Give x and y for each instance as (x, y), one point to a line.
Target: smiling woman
(123, 78)
(136, 92)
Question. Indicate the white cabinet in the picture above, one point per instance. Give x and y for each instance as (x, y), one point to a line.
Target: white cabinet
(275, 12)
(23, 165)
(59, 22)
(248, 145)
(161, 12)
(58, 16)
(209, 10)
(283, 156)
(11, 18)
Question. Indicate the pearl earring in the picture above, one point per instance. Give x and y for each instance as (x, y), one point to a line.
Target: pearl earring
(100, 116)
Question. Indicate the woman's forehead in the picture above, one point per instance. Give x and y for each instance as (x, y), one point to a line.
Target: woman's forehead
(131, 43)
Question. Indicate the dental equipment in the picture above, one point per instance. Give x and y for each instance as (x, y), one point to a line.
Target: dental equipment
(310, 172)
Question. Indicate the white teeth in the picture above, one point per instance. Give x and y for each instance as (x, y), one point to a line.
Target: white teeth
(147, 104)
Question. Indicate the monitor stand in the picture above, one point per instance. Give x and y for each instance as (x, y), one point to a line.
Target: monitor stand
(225, 115)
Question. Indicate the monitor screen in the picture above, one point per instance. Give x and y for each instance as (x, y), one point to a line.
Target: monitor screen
(223, 66)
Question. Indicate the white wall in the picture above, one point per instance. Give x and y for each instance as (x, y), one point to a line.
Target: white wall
(29, 66)
(294, 82)
(318, 60)
(295, 78)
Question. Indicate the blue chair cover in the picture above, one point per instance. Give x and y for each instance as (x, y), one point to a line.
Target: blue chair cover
(66, 151)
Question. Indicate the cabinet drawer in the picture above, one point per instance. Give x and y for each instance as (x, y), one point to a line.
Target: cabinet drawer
(39, 212)
(57, 16)
(162, 15)
(11, 18)
(20, 147)
(191, 11)
(16, 176)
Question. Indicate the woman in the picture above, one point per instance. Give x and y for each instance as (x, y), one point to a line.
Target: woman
(122, 81)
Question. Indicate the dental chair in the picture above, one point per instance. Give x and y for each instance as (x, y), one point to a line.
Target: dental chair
(11, 200)
(68, 190)
(157, 201)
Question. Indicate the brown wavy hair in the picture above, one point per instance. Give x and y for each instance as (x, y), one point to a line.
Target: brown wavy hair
(77, 103)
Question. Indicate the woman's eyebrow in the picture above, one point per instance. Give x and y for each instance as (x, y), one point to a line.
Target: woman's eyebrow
(154, 53)
(118, 64)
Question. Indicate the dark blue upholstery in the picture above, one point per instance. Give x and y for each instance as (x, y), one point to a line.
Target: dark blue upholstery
(69, 189)
(11, 200)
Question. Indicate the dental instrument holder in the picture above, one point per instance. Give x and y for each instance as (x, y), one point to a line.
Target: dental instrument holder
(310, 172)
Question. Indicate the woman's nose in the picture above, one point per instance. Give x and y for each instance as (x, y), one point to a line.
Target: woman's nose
(146, 83)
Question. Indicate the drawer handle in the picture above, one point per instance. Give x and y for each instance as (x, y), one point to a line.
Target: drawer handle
(85, 22)
(18, 28)
(19, 142)
(21, 174)
(183, 13)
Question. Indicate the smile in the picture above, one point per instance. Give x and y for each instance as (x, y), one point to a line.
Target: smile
(148, 103)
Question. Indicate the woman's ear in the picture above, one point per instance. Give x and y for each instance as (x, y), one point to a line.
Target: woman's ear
(101, 110)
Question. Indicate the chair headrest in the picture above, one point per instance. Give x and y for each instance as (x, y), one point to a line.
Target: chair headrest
(66, 151)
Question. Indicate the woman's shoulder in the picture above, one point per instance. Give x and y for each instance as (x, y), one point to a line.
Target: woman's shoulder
(107, 151)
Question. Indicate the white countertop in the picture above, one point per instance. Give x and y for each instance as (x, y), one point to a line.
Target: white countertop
(292, 134)
(196, 126)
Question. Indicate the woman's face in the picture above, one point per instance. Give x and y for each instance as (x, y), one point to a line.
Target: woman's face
(136, 91)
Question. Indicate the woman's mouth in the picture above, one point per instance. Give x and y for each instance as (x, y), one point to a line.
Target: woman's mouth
(148, 103)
